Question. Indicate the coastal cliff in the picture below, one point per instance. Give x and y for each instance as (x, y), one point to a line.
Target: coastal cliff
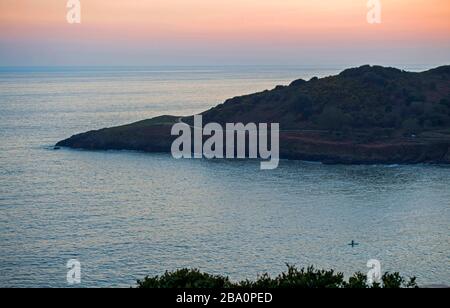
(364, 115)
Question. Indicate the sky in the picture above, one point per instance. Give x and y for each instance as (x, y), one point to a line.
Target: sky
(224, 32)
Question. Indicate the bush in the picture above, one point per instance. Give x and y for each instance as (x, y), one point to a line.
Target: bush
(333, 118)
(303, 105)
(411, 126)
(184, 278)
(297, 83)
(374, 79)
(445, 102)
(293, 278)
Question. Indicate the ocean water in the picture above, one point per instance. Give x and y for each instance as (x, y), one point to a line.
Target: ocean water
(125, 215)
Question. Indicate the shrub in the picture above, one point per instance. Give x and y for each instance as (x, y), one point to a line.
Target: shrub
(184, 278)
(303, 105)
(374, 79)
(333, 118)
(297, 83)
(445, 102)
(293, 278)
(411, 125)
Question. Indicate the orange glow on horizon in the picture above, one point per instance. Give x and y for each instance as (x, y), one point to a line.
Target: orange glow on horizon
(219, 31)
(233, 20)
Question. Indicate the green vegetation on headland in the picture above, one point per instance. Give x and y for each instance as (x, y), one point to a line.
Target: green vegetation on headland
(293, 278)
(364, 115)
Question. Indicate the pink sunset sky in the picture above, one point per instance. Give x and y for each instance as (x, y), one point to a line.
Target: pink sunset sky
(219, 32)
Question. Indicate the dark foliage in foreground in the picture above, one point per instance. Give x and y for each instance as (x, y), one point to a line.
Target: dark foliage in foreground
(293, 278)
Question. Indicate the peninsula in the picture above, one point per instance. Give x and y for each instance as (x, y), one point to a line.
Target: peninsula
(364, 115)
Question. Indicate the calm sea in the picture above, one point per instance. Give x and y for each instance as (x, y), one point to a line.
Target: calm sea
(126, 215)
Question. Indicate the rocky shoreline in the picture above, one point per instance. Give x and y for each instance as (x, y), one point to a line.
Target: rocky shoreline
(156, 138)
